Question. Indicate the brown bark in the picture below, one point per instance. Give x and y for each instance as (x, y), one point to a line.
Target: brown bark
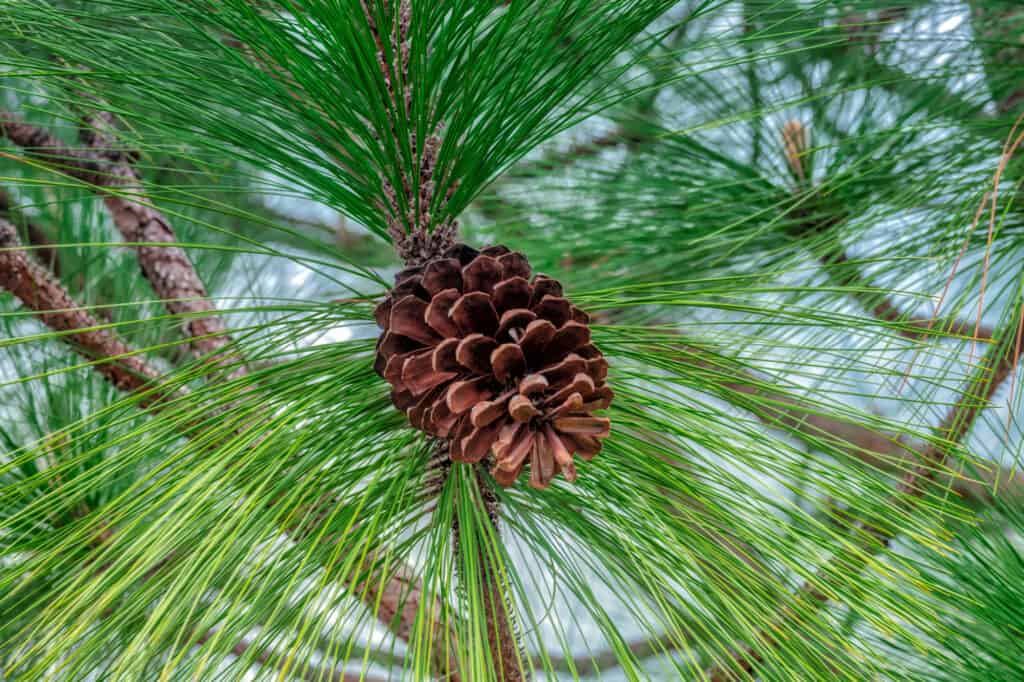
(164, 264)
(38, 291)
(43, 249)
(47, 147)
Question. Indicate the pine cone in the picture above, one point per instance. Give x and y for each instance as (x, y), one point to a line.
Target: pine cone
(478, 354)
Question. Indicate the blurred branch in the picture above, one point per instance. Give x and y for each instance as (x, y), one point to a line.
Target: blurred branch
(874, 447)
(996, 366)
(997, 30)
(853, 43)
(609, 659)
(914, 327)
(635, 128)
(311, 673)
(813, 217)
(863, 31)
(398, 596)
(358, 246)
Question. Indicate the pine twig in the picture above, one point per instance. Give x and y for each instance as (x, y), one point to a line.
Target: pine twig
(506, 653)
(502, 635)
(38, 291)
(164, 264)
(43, 249)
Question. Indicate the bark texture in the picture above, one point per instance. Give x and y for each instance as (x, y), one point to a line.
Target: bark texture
(38, 291)
(164, 264)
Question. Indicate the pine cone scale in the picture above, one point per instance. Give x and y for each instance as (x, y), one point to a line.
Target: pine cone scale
(441, 275)
(535, 339)
(512, 294)
(408, 319)
(513, 323)
(507, 362)
(444, 357)
(438, 315)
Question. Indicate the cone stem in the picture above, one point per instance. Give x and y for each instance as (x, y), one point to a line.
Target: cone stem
(502, 634)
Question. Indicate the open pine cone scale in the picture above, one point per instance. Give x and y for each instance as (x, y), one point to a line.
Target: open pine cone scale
(477, 353)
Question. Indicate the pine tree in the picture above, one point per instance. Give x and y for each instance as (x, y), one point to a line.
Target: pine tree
(467, 341)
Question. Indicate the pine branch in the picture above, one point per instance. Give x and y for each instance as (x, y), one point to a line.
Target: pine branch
(43, 249)
(997, 365)
(38, 291)
(111, 173)
(778, 409)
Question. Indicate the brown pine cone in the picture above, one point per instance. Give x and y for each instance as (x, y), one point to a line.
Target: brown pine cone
(478, 354)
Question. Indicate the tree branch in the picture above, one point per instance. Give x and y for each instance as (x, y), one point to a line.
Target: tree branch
(997, 29)
(813, 217)
(43, 248)
(165, 265)
(36, 289)
(502, 635)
